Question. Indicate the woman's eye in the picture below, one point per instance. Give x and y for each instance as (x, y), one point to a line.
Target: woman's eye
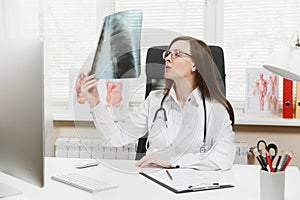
(176, 54)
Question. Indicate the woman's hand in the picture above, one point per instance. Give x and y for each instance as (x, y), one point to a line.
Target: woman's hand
(89, 89)
(154, 160)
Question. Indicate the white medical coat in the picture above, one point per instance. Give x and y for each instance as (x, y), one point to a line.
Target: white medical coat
(182, 137)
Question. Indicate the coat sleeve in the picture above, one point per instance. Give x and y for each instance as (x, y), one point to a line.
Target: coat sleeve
(121, 132)
(222, 154)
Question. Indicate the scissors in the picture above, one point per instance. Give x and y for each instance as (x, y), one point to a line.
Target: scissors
(271, 148)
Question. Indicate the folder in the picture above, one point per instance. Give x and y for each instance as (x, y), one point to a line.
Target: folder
(184, 180)
(287, 105)
(297, 101)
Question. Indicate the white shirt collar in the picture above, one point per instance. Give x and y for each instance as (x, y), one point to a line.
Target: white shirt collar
(194, 97)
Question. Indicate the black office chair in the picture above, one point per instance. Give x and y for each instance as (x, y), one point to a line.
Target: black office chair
(155, 79)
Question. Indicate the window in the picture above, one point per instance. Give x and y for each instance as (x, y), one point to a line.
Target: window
(252, 31)
(162, 22)
(247, 30)
(19, 18)
(69, 31)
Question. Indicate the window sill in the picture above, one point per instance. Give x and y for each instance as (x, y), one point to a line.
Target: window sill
(264, 120)
(240, 119)
(69, 116)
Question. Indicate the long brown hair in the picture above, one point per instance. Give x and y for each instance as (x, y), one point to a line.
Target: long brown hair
(206, 79)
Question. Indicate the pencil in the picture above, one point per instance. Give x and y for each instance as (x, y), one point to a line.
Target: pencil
(263, 160)
(287, 162)
(269, 161)
(257, 156)
(277, 163)
(284, 160)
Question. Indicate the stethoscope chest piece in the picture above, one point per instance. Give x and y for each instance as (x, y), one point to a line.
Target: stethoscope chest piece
(202, 149)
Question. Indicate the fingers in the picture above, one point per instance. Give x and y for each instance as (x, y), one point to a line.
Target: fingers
(89, 85)
(145, 161)
(88, 82)
(88, 72)
(88, 78)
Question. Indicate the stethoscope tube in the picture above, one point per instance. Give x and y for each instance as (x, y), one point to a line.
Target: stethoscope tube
(159, 109)
(204, 108)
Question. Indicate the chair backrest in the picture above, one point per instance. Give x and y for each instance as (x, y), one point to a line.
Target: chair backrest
(155, 67)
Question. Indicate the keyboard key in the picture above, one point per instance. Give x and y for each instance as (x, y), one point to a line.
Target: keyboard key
(83, 182)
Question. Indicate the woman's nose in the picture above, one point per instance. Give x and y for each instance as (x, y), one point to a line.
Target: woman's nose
(168, 58)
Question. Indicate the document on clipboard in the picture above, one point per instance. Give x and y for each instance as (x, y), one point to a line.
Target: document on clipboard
(184, 180)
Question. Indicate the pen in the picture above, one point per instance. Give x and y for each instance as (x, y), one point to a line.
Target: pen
(169, 175)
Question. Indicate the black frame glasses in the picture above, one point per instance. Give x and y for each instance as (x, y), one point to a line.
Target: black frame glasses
(175, 54)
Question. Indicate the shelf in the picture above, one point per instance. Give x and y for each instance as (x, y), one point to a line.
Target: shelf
(269, 120)
(240, 119)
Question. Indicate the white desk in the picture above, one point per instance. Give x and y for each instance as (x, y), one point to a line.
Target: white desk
(134, 186)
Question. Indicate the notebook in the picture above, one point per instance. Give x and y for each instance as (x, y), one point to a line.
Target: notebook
(184, 180)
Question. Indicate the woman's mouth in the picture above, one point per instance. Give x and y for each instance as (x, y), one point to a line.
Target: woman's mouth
(167, 67)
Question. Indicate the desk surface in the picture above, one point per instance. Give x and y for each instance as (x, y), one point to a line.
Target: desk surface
(134, 186)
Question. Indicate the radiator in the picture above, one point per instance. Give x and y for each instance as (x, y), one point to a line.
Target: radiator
(68, 147)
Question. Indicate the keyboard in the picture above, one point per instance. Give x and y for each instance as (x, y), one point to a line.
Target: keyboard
(83, 182)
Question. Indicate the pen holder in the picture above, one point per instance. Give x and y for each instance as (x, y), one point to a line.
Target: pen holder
(272, 185)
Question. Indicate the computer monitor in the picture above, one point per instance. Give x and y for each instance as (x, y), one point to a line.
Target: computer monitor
(21, 111)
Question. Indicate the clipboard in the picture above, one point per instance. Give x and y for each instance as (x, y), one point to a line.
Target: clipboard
(184, 188)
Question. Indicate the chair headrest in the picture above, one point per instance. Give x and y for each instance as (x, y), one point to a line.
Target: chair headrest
(155, 64)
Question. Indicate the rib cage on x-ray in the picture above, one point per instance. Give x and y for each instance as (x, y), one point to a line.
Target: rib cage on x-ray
(118, 50)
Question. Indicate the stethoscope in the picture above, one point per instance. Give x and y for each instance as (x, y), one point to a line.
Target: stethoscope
(203, 148)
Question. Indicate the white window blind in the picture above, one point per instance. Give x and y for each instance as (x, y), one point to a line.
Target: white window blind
(253, 29)
(19, 18)
(162, 22)
(70, 31)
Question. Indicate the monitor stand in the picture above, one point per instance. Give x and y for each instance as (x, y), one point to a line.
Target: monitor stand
(6, 190)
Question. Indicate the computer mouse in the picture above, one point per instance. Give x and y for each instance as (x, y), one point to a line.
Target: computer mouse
(86, 163)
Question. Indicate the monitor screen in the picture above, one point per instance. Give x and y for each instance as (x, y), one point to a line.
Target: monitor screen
(22, 109)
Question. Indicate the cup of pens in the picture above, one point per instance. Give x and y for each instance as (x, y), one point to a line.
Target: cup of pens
(272, 174)
(272, 185)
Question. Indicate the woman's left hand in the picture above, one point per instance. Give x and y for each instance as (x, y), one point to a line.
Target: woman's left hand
(154, 160)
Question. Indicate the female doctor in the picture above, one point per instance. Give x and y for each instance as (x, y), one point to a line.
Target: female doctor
(189, 124)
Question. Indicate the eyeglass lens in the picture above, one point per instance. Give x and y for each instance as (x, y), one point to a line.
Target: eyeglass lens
(175, 54)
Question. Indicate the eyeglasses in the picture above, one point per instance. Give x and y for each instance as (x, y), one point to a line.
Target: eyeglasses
(174, 54)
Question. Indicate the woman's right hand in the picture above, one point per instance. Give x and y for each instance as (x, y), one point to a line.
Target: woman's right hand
(89, 89)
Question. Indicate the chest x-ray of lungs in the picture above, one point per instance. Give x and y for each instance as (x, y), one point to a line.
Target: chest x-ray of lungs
(118, 51)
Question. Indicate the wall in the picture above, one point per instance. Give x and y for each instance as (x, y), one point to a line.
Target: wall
(286, 137)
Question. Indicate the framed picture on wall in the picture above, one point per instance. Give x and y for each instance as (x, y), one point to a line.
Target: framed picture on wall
(262, 92)
(113, 94)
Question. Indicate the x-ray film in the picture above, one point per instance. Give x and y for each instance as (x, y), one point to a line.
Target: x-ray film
(118, 51)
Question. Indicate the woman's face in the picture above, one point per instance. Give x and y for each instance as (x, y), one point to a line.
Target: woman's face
(178, 61)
